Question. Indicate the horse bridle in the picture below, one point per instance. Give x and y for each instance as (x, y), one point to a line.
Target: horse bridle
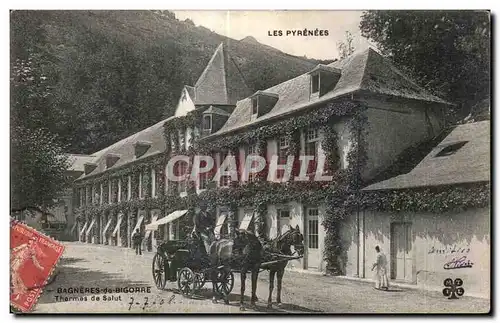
(285, 235)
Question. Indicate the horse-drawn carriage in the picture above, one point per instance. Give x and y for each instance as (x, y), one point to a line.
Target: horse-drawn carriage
(184, 261)
(188, 263)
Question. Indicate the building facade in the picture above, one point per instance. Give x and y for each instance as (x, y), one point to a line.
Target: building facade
(443, 229)
(359, 114)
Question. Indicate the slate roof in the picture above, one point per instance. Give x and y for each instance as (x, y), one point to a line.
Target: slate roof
(216, 110)
(327, 68)
(469, 164)
(126, 151)
(221, 83)
(190, 90)
(364, 71)
(78, 161)
(264, 93)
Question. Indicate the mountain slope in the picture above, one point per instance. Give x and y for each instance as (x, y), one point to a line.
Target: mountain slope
(117, 72)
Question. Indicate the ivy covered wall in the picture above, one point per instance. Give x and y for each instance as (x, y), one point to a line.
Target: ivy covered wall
(342, 195)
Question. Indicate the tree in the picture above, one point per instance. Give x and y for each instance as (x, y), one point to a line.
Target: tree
(38, 164)
(110, 76)
(189, 22)
(30, 93)
(447, 52)
(346, 48)
(37, 168)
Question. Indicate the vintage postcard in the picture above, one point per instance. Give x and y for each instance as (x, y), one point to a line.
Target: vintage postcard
(250, 162)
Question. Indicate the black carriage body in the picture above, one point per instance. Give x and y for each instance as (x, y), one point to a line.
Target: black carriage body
(187, 262)
(183, 253)
(169, 248)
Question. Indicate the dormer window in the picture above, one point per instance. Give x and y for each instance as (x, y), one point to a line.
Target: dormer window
(89, 168)
(111, 159)
(262, 103)
(315, 83)
(207, 123)
(141, 147)
(451, 149)
(255, 105)
(324, 78)
(213, 119)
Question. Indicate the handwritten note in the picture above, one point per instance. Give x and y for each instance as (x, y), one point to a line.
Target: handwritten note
(449, 250)
(459, 262)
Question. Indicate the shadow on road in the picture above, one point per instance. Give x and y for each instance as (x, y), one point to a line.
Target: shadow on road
(284, 308)
(70, 260)
(71, 276)
(234, 300)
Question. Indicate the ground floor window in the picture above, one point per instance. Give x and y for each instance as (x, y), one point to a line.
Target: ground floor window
(160, 232)
(176, 232)
(283, 220)
(312, 228)
(224, 232)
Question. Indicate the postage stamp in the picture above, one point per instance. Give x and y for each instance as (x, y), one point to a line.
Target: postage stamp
(251, 161)
(33, 258)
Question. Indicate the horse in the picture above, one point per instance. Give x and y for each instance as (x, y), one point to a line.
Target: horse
(282, 245)
(243, 253)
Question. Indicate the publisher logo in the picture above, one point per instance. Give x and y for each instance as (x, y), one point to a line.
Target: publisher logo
(453, 288)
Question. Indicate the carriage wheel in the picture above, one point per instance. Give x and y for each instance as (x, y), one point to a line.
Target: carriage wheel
(160, 270)
(199, 281)
(224, 282)
(186, 281)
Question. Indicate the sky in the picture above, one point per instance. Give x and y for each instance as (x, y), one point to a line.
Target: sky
(258, 24)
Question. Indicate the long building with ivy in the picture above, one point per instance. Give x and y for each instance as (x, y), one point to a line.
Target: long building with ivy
(361, 114)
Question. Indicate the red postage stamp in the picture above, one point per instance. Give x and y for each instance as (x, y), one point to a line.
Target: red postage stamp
(33, 258)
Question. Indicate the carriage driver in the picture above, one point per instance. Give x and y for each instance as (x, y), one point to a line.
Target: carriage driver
(202, 232)
(201, 223)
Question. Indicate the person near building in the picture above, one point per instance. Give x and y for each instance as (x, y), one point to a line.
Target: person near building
(137, 239)
(381, 279)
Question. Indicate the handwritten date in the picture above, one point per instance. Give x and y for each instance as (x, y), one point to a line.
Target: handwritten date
(148, 302)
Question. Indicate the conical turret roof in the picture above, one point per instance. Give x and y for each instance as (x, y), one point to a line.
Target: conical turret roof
(221, 83)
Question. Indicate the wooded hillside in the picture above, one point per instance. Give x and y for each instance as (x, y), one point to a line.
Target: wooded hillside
(113, 73)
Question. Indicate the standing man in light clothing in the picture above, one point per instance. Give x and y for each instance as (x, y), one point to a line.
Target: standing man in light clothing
(382, 281)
